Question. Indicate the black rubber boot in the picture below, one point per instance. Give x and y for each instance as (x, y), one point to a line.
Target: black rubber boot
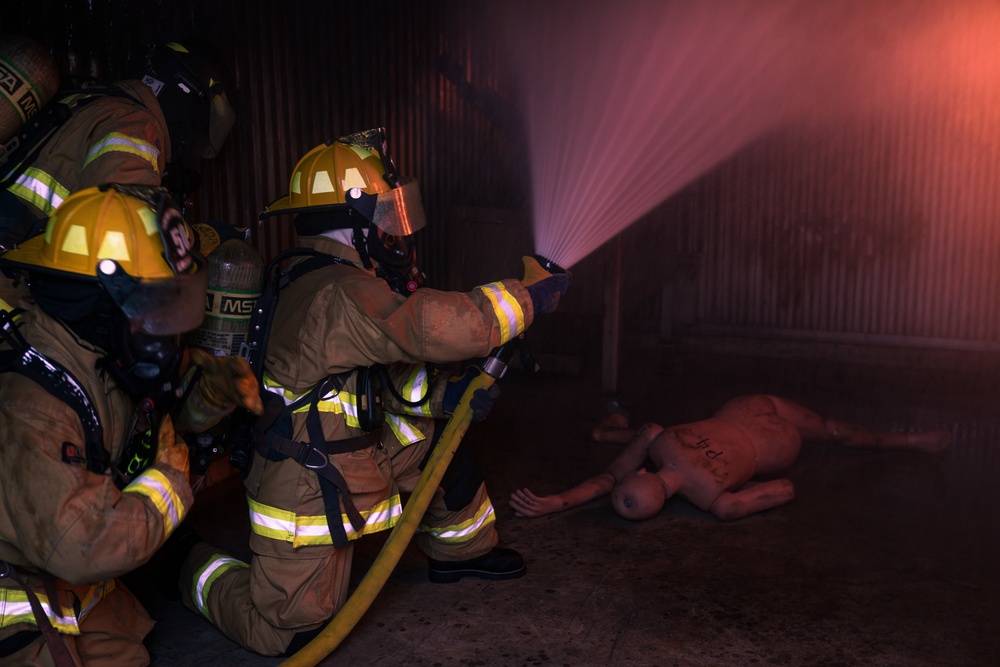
(499, 563)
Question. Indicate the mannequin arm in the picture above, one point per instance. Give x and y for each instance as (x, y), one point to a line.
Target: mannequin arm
(525, 503)
(752, 498)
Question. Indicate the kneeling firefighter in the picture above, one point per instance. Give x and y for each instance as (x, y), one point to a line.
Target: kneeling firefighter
(95, 392)
(154, 131)
(354, 404)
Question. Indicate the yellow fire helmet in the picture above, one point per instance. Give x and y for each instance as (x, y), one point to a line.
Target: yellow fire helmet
(350, 175)
(135, 243)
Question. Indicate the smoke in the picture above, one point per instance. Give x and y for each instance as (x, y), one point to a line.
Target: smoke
(626, 103)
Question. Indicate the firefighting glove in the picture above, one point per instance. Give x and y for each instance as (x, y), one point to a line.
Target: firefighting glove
(223, 384)
(171, 449)
(482, 399)
(544, 288)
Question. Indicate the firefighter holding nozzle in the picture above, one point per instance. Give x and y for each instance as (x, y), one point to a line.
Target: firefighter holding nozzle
(355, 402)
(95, 393)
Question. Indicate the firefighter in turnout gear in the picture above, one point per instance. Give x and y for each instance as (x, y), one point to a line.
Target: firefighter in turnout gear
(355, 401)
(93, 472)
(149, 132)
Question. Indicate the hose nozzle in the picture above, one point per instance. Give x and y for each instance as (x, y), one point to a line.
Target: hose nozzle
(548, 264)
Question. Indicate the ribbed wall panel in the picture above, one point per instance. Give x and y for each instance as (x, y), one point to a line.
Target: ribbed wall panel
(882, 228)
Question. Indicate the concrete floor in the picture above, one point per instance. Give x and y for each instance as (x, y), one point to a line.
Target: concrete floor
(882, 559)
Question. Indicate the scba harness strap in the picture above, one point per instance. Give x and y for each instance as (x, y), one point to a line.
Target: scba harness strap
(273, 441)
(270, 435)
(57, 648)
(25, 360)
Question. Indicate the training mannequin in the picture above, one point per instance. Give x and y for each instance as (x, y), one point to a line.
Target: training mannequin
(711, 463)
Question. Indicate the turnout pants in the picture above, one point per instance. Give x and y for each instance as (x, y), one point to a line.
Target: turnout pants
(111, 635)
(297, 580)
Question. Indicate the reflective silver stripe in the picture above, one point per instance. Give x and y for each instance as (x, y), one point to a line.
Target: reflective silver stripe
(40, 189)
(405, 432)
(116, 142)
(286, 396)
(207, 576)
(507, 310)
(97, 593)
(416, 387)
(465, 530)
(15, 608)
(341, 403)
(157, 487)
(306, 530)
(267, 521)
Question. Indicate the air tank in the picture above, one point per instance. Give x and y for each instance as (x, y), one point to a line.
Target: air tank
(28, 81)
(235, 281)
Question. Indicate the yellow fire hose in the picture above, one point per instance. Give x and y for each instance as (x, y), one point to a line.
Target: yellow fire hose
(344, 621)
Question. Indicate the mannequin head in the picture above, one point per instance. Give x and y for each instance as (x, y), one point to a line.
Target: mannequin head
(639, 495)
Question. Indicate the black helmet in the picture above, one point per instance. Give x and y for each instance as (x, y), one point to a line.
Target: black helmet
(191, 86)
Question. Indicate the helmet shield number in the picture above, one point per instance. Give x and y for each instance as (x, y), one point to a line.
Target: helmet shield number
(175, 235)
(177, 245)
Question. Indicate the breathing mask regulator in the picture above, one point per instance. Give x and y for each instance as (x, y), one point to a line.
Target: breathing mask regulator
(146, 354)
(395, 257)
(141, 364)
(393, 217)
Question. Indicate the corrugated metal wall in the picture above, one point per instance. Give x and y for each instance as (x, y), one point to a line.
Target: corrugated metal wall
(308, 71)
(883, 228)
(311, 71)
(880, 228)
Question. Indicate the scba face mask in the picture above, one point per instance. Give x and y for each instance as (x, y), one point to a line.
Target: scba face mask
(146, 365)
(396, 259)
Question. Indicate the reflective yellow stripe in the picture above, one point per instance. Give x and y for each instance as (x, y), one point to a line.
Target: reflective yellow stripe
(40, 189)
(341, 403)
(403, 429)
(507, 310)
(276, 389)
(15, 607)
(271, 522)
(154, 485)
(96, 593)
(465, 530)
(344, 404)
(217, 566)
(116, 142)
(414, 389)
(311, 530)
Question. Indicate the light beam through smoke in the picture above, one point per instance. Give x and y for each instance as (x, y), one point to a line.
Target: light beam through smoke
(628, 102)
